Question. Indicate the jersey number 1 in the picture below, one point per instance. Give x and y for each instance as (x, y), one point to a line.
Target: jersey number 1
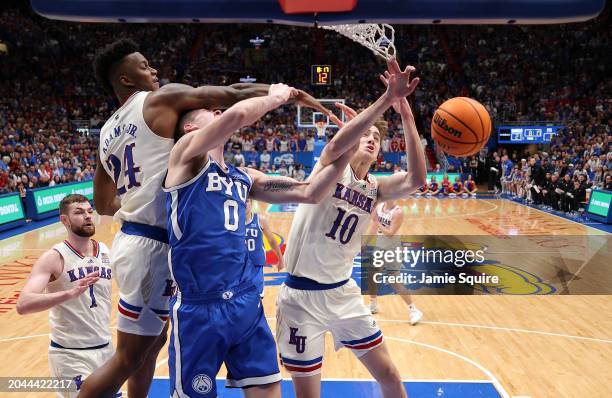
(347, 227)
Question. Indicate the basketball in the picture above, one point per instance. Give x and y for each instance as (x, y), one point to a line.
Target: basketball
(461, 126)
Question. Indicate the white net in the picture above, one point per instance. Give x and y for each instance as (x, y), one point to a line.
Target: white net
(379, 38)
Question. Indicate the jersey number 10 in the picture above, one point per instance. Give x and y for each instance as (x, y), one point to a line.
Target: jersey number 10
(347, 227)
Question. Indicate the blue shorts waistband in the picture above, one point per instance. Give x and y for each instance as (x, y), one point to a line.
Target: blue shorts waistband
(55, 345)
(233, 292)
(301, 283)
(144, 230)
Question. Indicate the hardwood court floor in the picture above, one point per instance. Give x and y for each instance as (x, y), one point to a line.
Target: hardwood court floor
(536, 346)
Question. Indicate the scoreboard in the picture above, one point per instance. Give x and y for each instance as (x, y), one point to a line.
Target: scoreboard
(526, 134)
(321, 75)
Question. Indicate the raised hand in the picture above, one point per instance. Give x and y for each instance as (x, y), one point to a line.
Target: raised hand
(349, 114)
(84, 283)
(398, 83)
(283, 91)
(307, 100)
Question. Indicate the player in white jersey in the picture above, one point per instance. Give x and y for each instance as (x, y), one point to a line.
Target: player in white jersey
(387, 218)
(318, 295)
(74, 281)
(135, 144)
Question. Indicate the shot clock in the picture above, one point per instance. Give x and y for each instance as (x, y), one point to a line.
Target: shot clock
(321, 75)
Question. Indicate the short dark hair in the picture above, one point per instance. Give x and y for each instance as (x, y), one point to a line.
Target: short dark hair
(70, 199)
(109, 57)
(185, 118)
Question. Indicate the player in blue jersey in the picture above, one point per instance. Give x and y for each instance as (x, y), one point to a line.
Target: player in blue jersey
(256, 228)
(216, 314)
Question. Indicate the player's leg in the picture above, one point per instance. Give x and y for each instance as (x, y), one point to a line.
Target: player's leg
(300, 335)
(358, 331)
(201, 334)
(381, 367)
(252, 362)
(414, 314)
(140, 382)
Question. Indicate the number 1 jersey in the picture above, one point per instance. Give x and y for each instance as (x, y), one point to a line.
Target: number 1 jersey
(325, 237)
(136, 159)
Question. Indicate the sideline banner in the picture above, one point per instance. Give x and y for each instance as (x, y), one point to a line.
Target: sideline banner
(44, 202)
(11, 211)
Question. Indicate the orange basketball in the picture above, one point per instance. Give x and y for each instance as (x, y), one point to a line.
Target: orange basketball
(461, 126)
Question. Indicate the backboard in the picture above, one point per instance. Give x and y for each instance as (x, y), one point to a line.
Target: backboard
(366, 11)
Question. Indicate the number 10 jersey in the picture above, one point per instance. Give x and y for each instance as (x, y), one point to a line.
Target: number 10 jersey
(325, 237)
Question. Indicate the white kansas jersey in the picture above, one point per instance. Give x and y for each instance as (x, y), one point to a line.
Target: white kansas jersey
(385, 217)
(82, 321)
(136, 158)
(325, 237)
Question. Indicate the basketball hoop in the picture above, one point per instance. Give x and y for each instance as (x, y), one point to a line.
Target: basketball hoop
(379, 38)
(321, 126)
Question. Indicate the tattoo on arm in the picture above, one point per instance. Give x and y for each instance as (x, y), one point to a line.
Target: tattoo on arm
(279, 186)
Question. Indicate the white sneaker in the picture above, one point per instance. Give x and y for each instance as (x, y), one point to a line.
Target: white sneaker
(414, 315)
(373, 307)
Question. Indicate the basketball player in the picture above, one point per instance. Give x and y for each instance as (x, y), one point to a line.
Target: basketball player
(73, 281)
(470, 186)
(387, 219)
(216, 314)
(256, 228)
(318, 295)
(133, 155)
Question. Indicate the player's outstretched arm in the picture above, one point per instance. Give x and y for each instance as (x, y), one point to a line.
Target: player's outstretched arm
(197, 143)
(265, 227)
(403, 184)
(32, 299)
(274, 189)
(106, 201)
(399, 86)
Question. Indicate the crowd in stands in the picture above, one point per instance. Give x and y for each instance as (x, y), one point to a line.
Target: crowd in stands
(555, 73)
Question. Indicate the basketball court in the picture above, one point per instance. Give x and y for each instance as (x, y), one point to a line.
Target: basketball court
(466, 346)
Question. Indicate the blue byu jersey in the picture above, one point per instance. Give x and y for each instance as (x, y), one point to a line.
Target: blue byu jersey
(206, 226)
(254, 242)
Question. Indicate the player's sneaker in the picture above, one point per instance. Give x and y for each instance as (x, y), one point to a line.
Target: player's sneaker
(373, 307)
(414, 315)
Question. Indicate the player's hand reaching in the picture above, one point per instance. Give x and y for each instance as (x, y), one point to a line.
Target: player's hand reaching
(349, 114)
(307, 100)
(83, 284)
(283, 91)
(398, 82)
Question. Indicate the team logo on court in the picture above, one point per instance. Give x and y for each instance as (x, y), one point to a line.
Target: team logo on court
(202, 384)
(298, 341)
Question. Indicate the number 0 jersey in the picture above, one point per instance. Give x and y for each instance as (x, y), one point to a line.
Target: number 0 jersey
(325, 237)
(206, 224)
(136, 159)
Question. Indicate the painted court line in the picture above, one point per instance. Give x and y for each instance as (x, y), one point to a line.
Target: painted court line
(354, 379)
(507, 330)
(554, 215)
(484, 370)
